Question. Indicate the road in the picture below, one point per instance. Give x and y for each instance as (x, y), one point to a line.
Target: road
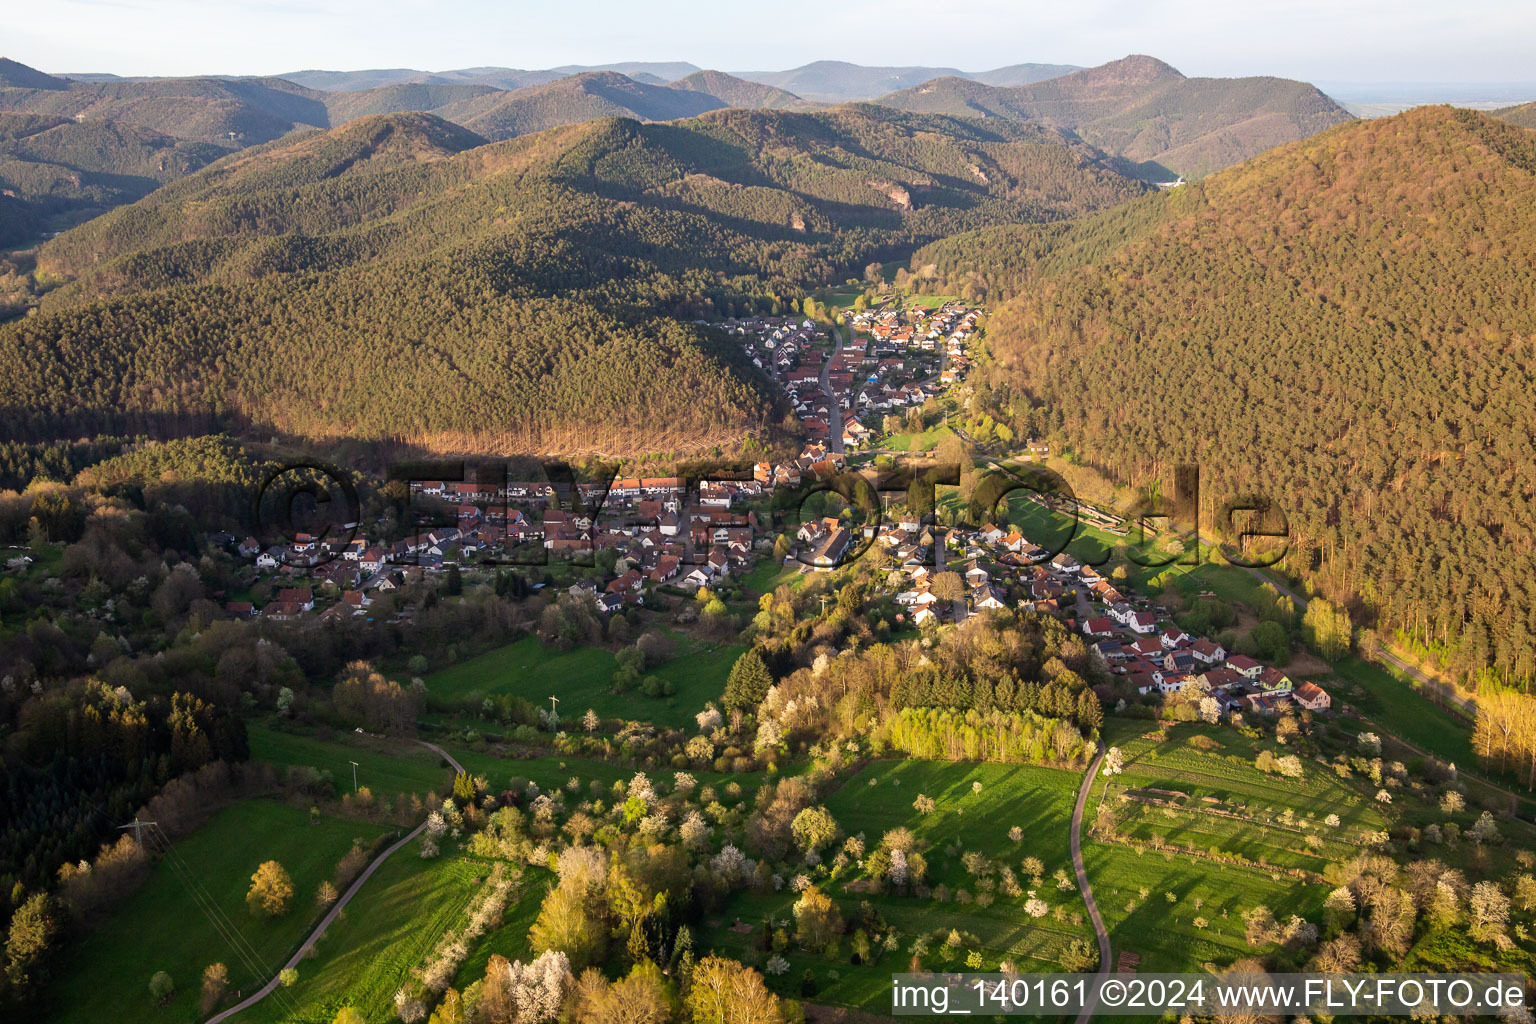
(834, 408)
(336, 908)
(1082, 874)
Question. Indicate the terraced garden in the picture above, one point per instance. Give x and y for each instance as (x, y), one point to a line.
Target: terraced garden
(1202, 835)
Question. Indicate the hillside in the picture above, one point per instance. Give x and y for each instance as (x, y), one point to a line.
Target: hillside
(311, 285)
(1346, 325)
(61, 172)
(1145, 111)
(738, 92)
(1523, 115)
(572, 100)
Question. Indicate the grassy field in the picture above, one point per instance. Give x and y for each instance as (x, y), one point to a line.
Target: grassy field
(1199, 789)
(165, 925)
(388, 768)
(1038, 800)
(1392, 701)
(582, 678)
(390, 929)
(926, 441)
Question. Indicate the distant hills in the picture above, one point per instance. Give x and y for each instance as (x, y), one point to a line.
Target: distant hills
(398, 279)
(1144, 110)
(823, 81)
(1139, 110)
(834, 81)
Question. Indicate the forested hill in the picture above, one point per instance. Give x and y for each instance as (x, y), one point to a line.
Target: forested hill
(394, 279)
(1524, 115)
(1347, 325)
(1143, 110)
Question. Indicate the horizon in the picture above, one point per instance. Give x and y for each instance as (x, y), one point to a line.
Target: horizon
(1416, 43)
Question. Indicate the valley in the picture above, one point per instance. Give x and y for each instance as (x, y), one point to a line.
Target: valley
(619, 542)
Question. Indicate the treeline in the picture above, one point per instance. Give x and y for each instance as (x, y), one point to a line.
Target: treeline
(1346, 327)
(1014, 737)
(85, 757)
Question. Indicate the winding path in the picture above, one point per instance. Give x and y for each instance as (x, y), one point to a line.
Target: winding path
(1082, 874)
(334, 912)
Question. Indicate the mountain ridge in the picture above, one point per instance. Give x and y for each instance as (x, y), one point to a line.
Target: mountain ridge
(1146, 111)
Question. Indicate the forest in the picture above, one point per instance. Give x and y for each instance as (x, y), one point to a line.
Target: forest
(396, 280)
(1344, 325)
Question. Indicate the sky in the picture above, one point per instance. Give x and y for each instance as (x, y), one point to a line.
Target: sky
(1316, 40)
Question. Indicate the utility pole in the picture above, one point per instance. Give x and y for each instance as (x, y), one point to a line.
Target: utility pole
(138, 829)
(354, 778)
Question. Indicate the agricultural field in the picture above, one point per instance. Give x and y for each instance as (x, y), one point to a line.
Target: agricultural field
(964, 820)
(1199, 790)
(582, 678)
(166, 925)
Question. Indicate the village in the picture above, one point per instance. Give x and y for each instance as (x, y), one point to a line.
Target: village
(894, 359)
(666, 532)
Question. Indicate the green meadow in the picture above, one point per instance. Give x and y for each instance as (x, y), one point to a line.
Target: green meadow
(180, 921)
(582, 678)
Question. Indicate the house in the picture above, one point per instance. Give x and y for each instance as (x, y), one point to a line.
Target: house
(1064, 562)
(976, 576)
(355, 599)
(1272, 682)
(987, 597)
(627, 582)
(1245, 666)
(1312, 697)
(1208, 653)
(249, 547)
(1222, 678)
(282, 611)
(1143, 622)
(270, 558)
(304, 597)
(923, 615)
(829, 553)
(1179, 661)
(991, 534)
(1173, 637)
(1101, 628)
(666, 568)
(239, 609)
(1109, 650)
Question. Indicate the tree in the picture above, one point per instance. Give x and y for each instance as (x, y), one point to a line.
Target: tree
(32, 931)
(817, 921)
(948, 586)
(813, 828)
(724, 992)
(161, 987)
(271, 890)
(1489, 911)
(748, 682)
(215, 985)
(1327, 629)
